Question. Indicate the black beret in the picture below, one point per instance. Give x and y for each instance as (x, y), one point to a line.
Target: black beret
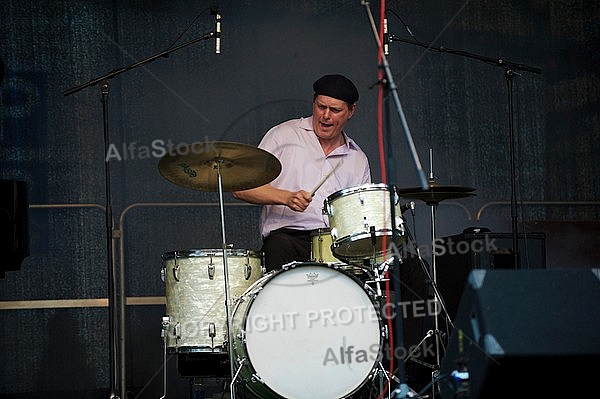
(336, 86)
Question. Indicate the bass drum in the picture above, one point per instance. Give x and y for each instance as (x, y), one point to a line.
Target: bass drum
(307, 331)
(195, 294)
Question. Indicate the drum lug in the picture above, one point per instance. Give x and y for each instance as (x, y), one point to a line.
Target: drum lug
(320, 241)
(175, 272)
(326, 208)
(255, 293)
(211, 269)
(175, 269)
(163, 273)
(256, 378)
(177, 331)
(247, 270)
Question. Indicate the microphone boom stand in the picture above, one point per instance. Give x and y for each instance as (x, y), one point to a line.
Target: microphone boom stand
(116, 338)
(509, 72)
(403, 389)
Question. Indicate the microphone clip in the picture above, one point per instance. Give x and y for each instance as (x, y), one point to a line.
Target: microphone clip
(214, 10)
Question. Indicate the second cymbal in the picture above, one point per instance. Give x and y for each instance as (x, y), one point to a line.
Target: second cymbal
(435, 193)
(241, 166)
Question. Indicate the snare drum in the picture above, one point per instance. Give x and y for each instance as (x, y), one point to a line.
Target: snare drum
(307, 331)
(360, 215)
(321, 246)
(195, 293)
(321, 252)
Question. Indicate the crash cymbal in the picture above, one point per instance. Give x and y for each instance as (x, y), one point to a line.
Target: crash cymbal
(197, 166)
(435, 193)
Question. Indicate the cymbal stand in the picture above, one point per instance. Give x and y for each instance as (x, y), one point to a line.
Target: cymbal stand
(382, 371)
(379, 272)
(437, 300)
(217, 167)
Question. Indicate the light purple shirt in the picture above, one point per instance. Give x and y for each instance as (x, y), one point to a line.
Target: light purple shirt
(303, 166)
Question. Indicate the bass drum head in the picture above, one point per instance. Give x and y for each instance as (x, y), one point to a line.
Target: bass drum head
(310, 331)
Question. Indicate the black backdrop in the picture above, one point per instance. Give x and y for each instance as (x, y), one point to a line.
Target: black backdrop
(271, 53)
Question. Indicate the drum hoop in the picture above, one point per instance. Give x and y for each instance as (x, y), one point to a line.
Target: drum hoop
(337, 266)
(191, 253)
(363, 187)
(363, 235)
(252, 292)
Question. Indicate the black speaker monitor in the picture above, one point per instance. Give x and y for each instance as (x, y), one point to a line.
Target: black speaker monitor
(459, 254)
(524, 334)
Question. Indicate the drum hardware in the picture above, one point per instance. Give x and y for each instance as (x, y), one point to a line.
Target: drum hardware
(373, 242)
(248, 268)
(241, 363)
(177, 332)
(166, 321)
(379, 273)
(211, 269)
(379, 372)
(429, 334)
(432, 197)
(230, 167)
(212, 333)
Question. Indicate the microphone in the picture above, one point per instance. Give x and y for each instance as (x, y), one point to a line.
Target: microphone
(386, 37)
(217, 13)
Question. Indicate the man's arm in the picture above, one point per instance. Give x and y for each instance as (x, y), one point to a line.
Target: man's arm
(268, 195)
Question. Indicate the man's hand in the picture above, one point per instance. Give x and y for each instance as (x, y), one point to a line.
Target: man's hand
(299, 200)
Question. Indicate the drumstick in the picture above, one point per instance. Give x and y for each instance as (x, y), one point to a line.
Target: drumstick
(314, 190)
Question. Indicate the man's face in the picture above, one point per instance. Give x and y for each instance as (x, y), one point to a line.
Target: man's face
(330, 116)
